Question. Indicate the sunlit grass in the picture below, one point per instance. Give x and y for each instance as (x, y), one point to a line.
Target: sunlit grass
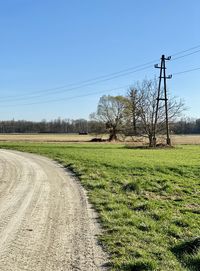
(148, 200)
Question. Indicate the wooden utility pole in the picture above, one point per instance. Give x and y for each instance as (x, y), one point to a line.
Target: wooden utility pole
(163, 76)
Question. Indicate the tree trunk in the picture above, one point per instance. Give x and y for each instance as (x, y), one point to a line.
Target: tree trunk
(134, 124)
(152, 141)
(113, 135)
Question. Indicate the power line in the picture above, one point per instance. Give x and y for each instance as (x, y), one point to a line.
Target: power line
(98, 92)
(88, 94)
(93, 81)
(25, 97)
(69, 98)
(102, 78)
(195, 52)
(187, 50)
(186, 71)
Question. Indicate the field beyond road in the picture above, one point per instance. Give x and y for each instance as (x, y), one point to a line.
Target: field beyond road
(148, 200)
(62, 138)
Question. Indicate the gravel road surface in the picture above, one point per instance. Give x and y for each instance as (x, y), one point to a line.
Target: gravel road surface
(46, 222)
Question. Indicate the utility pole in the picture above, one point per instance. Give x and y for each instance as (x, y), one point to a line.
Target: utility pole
(163, 76)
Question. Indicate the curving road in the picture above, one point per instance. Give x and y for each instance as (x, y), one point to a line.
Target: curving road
(46, 222)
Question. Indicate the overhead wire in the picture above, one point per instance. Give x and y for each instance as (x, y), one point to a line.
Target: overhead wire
(187, 50)
(89, 82)
(73, 97)
(192, 53)
(93, 81)
(102, 78)
(91, 93)
(187, 71)
(25, 97)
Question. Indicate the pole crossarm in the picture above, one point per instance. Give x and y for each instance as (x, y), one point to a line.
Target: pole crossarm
(167, 77)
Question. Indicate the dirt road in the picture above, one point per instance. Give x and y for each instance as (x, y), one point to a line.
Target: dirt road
(46, 222)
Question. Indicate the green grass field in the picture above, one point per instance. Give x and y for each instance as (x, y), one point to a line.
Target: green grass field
(148, 200)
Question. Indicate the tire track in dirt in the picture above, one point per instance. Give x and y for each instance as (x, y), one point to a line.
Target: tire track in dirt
(46, 223)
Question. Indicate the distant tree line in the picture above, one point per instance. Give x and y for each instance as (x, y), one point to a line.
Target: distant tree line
(187, 126)
(183, 126)
(55, 126)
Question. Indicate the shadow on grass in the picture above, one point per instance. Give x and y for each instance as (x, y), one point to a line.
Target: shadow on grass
(147, 147)
(138, 266)
(188, 254)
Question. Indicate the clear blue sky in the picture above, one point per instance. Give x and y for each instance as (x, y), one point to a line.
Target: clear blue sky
(51, 43)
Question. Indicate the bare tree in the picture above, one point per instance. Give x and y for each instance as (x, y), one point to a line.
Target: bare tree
(147, 99)
(111, 111)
